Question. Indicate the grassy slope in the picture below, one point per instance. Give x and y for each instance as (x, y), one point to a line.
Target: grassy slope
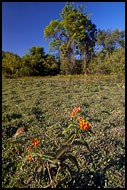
(42, 105)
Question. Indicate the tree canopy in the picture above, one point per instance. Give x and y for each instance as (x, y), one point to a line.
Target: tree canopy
(74, 34)
(110, 40)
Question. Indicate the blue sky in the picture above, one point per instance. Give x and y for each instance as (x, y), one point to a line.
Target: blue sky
(23, 23)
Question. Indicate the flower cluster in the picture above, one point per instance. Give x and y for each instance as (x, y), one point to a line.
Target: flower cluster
(29, 147)
(34, 142)
(79, 117)
(84, 125)
(75, 110)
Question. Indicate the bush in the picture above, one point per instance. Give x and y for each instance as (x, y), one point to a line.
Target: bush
(107, 63)
(33, 63)
(11, 64)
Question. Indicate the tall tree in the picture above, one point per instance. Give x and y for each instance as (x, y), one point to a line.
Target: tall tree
(60, 41)
(74, 31)
(52, 64)
(86, 43)
(34, 59)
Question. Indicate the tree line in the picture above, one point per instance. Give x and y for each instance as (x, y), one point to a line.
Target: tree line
(77, 45)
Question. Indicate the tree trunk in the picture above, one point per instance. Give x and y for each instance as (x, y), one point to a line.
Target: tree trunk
(85, 61)
(73, 58)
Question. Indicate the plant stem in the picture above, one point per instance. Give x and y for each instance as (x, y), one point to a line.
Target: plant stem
(73, 139)
(57, 173)
(49, 174)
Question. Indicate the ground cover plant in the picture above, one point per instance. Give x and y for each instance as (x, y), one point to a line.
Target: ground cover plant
(45, 106)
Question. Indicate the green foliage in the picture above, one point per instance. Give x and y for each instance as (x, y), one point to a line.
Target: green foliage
(59, 158)
(110, 40)
(52, 64)
(77, 35)
(33, 63)
(74, 31)
(72, 159)
(12, 65)
(108, 63)
(34, 59)
(62, 150)
(70, 127)
(51, 30)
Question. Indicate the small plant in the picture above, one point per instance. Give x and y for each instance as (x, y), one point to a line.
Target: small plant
(70, 78)
(74, 135)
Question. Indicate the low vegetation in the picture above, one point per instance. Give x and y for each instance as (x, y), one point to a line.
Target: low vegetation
(45, 105)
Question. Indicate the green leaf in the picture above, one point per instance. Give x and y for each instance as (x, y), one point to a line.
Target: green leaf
(72, 159)
(35, 154)
(48, 156)
(70, 136)
(44, 157)
(62, 150)
(53, 161)
(61, 135)
(40, 169)
(79, 143)
(68, 128)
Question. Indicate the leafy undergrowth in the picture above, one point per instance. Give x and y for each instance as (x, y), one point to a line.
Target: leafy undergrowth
(42, 105)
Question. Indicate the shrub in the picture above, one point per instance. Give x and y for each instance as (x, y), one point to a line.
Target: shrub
(107, 63)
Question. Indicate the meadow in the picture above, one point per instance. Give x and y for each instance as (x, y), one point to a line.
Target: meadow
(42, 105)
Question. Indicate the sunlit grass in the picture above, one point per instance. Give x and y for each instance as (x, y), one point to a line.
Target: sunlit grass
(42, 104)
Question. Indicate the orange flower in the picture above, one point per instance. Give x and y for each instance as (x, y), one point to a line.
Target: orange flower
(35, 142)
(76, 109)
(29, 147)
(79, 117)
(79, 108)
(88, 124)
(29, 157)
(72, 115)
(84, 125)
